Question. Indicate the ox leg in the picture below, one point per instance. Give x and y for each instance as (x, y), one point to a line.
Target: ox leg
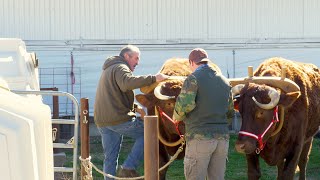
(253, 166)
(290, 164)
(163, 159)
(304, 158)
(280, 167)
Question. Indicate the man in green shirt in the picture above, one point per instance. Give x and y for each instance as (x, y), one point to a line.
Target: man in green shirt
(205, 105)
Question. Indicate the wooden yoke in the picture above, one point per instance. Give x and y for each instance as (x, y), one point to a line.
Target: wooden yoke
(282, 82)
(150, 88)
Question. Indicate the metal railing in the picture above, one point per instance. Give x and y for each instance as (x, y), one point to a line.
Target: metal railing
(75, 122)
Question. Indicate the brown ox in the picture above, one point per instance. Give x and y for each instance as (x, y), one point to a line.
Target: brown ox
(291, 146)
(165, 98)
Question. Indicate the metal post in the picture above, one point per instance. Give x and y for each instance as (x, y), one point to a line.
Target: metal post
(84, 125)
(234, 63)
(55, 114)
(151, 148)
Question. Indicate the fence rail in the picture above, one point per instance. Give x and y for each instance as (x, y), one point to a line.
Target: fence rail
(66, 79)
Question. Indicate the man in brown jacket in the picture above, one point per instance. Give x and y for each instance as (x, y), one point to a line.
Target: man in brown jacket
(114, 112)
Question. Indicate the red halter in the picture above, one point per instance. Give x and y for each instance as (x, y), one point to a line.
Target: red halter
(176, 123)
(259, 138)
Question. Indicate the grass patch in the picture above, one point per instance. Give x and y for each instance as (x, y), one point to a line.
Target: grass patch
(236, 166)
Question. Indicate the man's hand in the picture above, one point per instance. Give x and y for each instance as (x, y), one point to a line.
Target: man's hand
(140, 110)
(161, 77)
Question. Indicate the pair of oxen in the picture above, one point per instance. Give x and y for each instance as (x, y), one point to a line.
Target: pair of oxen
(279, 106)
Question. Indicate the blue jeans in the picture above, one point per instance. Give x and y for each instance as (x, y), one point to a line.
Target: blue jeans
(112, 137)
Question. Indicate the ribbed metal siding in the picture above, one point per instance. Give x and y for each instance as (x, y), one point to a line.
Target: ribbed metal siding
(78, 19)
(231, 19)
(311, 18)
(279, 19)
(188, 20)
(127, 19)
(183, 19)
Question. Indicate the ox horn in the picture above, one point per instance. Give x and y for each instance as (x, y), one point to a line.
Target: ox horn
(236, 89)
(274, 96)
(285, 84)
(157, 93)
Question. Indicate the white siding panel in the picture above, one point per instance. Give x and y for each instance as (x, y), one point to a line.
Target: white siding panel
(7, 17)
(54, 19)
(280, 19)
(77, 19)
(73, 25)
(159, 20)
(43, 23)
(110, 19)
(188, 21)
(82, 19)
(127, 19)
(231, 19)
(311, 18)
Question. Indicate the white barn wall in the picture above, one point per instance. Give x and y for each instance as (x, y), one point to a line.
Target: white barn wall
(152, 59)
(182, 19)
(230, 19)
(280, 19)
(311, 19)
(153, 21)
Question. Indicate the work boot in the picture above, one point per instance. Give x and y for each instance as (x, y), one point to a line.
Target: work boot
(122, 172)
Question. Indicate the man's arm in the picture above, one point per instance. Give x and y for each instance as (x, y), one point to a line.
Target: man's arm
(186, 100)
(127, 81)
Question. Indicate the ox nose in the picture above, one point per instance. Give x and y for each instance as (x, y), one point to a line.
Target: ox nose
(240, 148)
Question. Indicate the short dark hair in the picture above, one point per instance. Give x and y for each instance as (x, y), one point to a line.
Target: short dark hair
(128, 49)
(202, 62)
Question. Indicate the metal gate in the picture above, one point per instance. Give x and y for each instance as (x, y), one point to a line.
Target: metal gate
(75, 122)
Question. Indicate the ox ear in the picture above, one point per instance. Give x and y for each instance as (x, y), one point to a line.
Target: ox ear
(289, 98)
(146, 100)
(236, 104)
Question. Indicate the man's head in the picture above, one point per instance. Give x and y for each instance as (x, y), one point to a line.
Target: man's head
(198, 56)
(131, 54)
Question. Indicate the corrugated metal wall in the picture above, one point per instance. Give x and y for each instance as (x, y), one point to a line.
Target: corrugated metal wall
(164, 20)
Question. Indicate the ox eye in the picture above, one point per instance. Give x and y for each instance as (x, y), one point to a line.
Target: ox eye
(169, 104)
(259, 114)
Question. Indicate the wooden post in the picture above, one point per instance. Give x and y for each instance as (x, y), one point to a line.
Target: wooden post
(55, 115)
(283, 72)
(151, 148)
(250, 71)
(84, 126)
